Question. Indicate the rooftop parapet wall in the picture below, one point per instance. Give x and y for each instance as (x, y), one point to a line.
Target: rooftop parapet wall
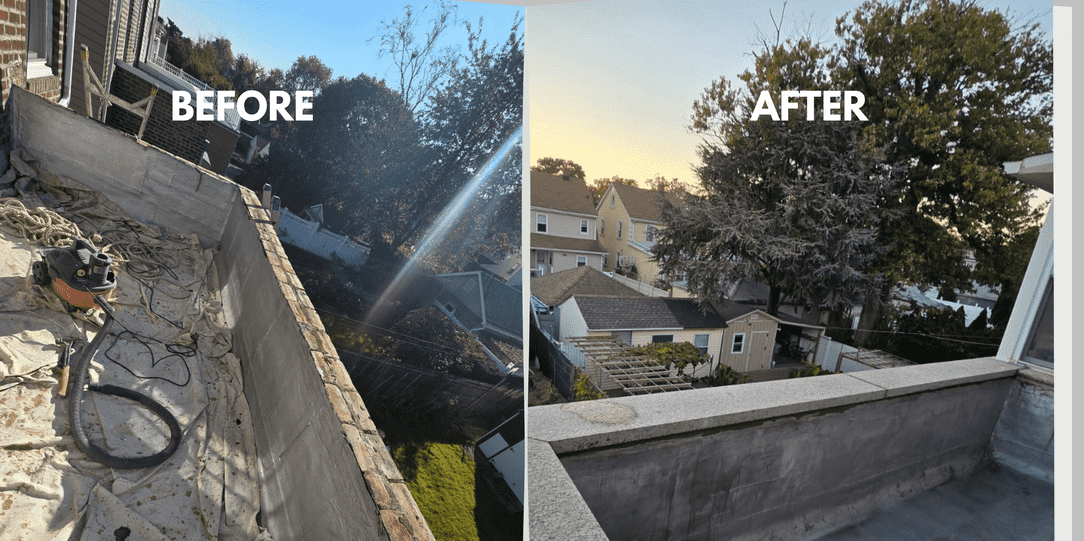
(788, 459)
(324, 471)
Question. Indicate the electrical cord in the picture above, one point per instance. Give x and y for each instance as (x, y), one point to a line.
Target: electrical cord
(75, 411)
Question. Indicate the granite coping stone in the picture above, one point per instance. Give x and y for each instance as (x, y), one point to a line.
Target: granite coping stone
(579, 426)
(558, 511)
(927, 377)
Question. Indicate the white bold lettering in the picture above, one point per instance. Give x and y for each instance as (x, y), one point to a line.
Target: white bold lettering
(810, 102)
(205, 100)
(785, 103)
(830, 105)
(224, 103)
(853, 102)
(301, 105)
(280, 100)
(260, 101)
(764, 107)
(182, 106)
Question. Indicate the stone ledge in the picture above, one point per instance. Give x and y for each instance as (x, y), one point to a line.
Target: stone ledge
(399, 512)
(558, 511)
(579, 426)
(927, 377)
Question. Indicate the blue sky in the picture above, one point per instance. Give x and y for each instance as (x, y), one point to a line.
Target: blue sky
(612, 83)
(277, 32)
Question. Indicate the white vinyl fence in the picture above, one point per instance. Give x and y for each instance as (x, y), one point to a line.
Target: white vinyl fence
(307, 235)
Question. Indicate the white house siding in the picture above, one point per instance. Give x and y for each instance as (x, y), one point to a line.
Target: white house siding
(571, 320)
(570, 260)
(759, 330)
(560, 224)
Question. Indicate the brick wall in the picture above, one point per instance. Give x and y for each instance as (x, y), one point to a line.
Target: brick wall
(184, 139)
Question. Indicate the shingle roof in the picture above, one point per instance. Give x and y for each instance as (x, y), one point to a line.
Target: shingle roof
(553, 289)
(644, 313)
(642, 204)
(550, 242)
(572, 195)
(501, 311)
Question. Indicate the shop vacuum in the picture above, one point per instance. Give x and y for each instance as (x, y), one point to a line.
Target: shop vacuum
(83, 278)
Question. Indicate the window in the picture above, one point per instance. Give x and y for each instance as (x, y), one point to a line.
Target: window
(679, 276)
(581, 260)
(583, 226)
(632, 230)
(602, 228)
(541, 223)
(38, 31)
(540, 258)
(649, 233)
(612, 200)
(618, 229)
(701, 343)
(739, 343)
(662, 338)
(1040, 345)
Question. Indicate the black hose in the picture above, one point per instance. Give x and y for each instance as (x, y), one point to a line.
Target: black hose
(75, 412)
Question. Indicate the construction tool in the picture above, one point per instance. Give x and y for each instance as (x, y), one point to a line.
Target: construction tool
(82, 277)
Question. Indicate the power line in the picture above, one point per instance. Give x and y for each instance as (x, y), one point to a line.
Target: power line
(947, 337)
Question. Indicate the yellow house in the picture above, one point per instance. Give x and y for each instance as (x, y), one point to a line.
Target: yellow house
(628, 220)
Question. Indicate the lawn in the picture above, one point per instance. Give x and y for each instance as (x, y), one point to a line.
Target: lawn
(441, 479)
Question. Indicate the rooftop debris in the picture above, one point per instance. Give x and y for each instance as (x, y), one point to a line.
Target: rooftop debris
(170, 342)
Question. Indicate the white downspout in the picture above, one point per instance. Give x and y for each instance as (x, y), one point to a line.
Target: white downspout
(69, 54)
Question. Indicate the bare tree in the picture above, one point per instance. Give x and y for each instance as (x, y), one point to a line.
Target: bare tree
(421, 63)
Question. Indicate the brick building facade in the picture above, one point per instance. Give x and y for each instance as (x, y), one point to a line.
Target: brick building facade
(31, 54)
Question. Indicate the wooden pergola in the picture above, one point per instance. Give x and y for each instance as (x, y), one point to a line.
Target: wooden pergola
(606, 360)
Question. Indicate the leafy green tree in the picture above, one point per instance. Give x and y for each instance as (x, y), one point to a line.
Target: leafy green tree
(307, 73)
(952, 90)
(599, 185)
(558, 166)
(792, 204)
(466, 124)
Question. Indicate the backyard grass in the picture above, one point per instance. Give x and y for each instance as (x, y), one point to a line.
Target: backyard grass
(441, 479)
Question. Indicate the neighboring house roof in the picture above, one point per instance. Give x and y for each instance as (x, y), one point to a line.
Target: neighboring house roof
(642, 204)
(555, 288)
(731, 310)
(645, 313)
(550, 242)
(571, 195)
(480, 301)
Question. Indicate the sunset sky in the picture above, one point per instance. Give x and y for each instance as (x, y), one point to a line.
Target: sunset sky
(611, 84)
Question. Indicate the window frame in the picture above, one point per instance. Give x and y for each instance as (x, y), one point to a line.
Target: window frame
(737, 344)
(707, 342)
(541, 223)
(581, 261)
(662, 339)
(585, 227)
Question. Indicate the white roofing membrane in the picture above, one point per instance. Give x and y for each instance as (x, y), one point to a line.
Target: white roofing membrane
(170, 342)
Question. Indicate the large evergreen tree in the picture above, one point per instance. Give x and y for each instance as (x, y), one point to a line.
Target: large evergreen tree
(792, 204)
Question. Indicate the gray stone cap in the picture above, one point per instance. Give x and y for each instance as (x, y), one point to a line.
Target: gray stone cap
(557, 510)
(578, 426)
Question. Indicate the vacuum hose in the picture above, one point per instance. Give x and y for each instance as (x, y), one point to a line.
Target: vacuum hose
(75, 412)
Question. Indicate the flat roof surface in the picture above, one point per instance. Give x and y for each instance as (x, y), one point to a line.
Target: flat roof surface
(992, 504)
(169, 342)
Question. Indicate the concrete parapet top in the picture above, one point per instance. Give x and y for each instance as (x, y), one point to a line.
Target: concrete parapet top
(579, 426)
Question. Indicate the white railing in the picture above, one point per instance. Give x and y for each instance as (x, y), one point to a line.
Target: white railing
(643, 288)
(232, 117)
(626, 260)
